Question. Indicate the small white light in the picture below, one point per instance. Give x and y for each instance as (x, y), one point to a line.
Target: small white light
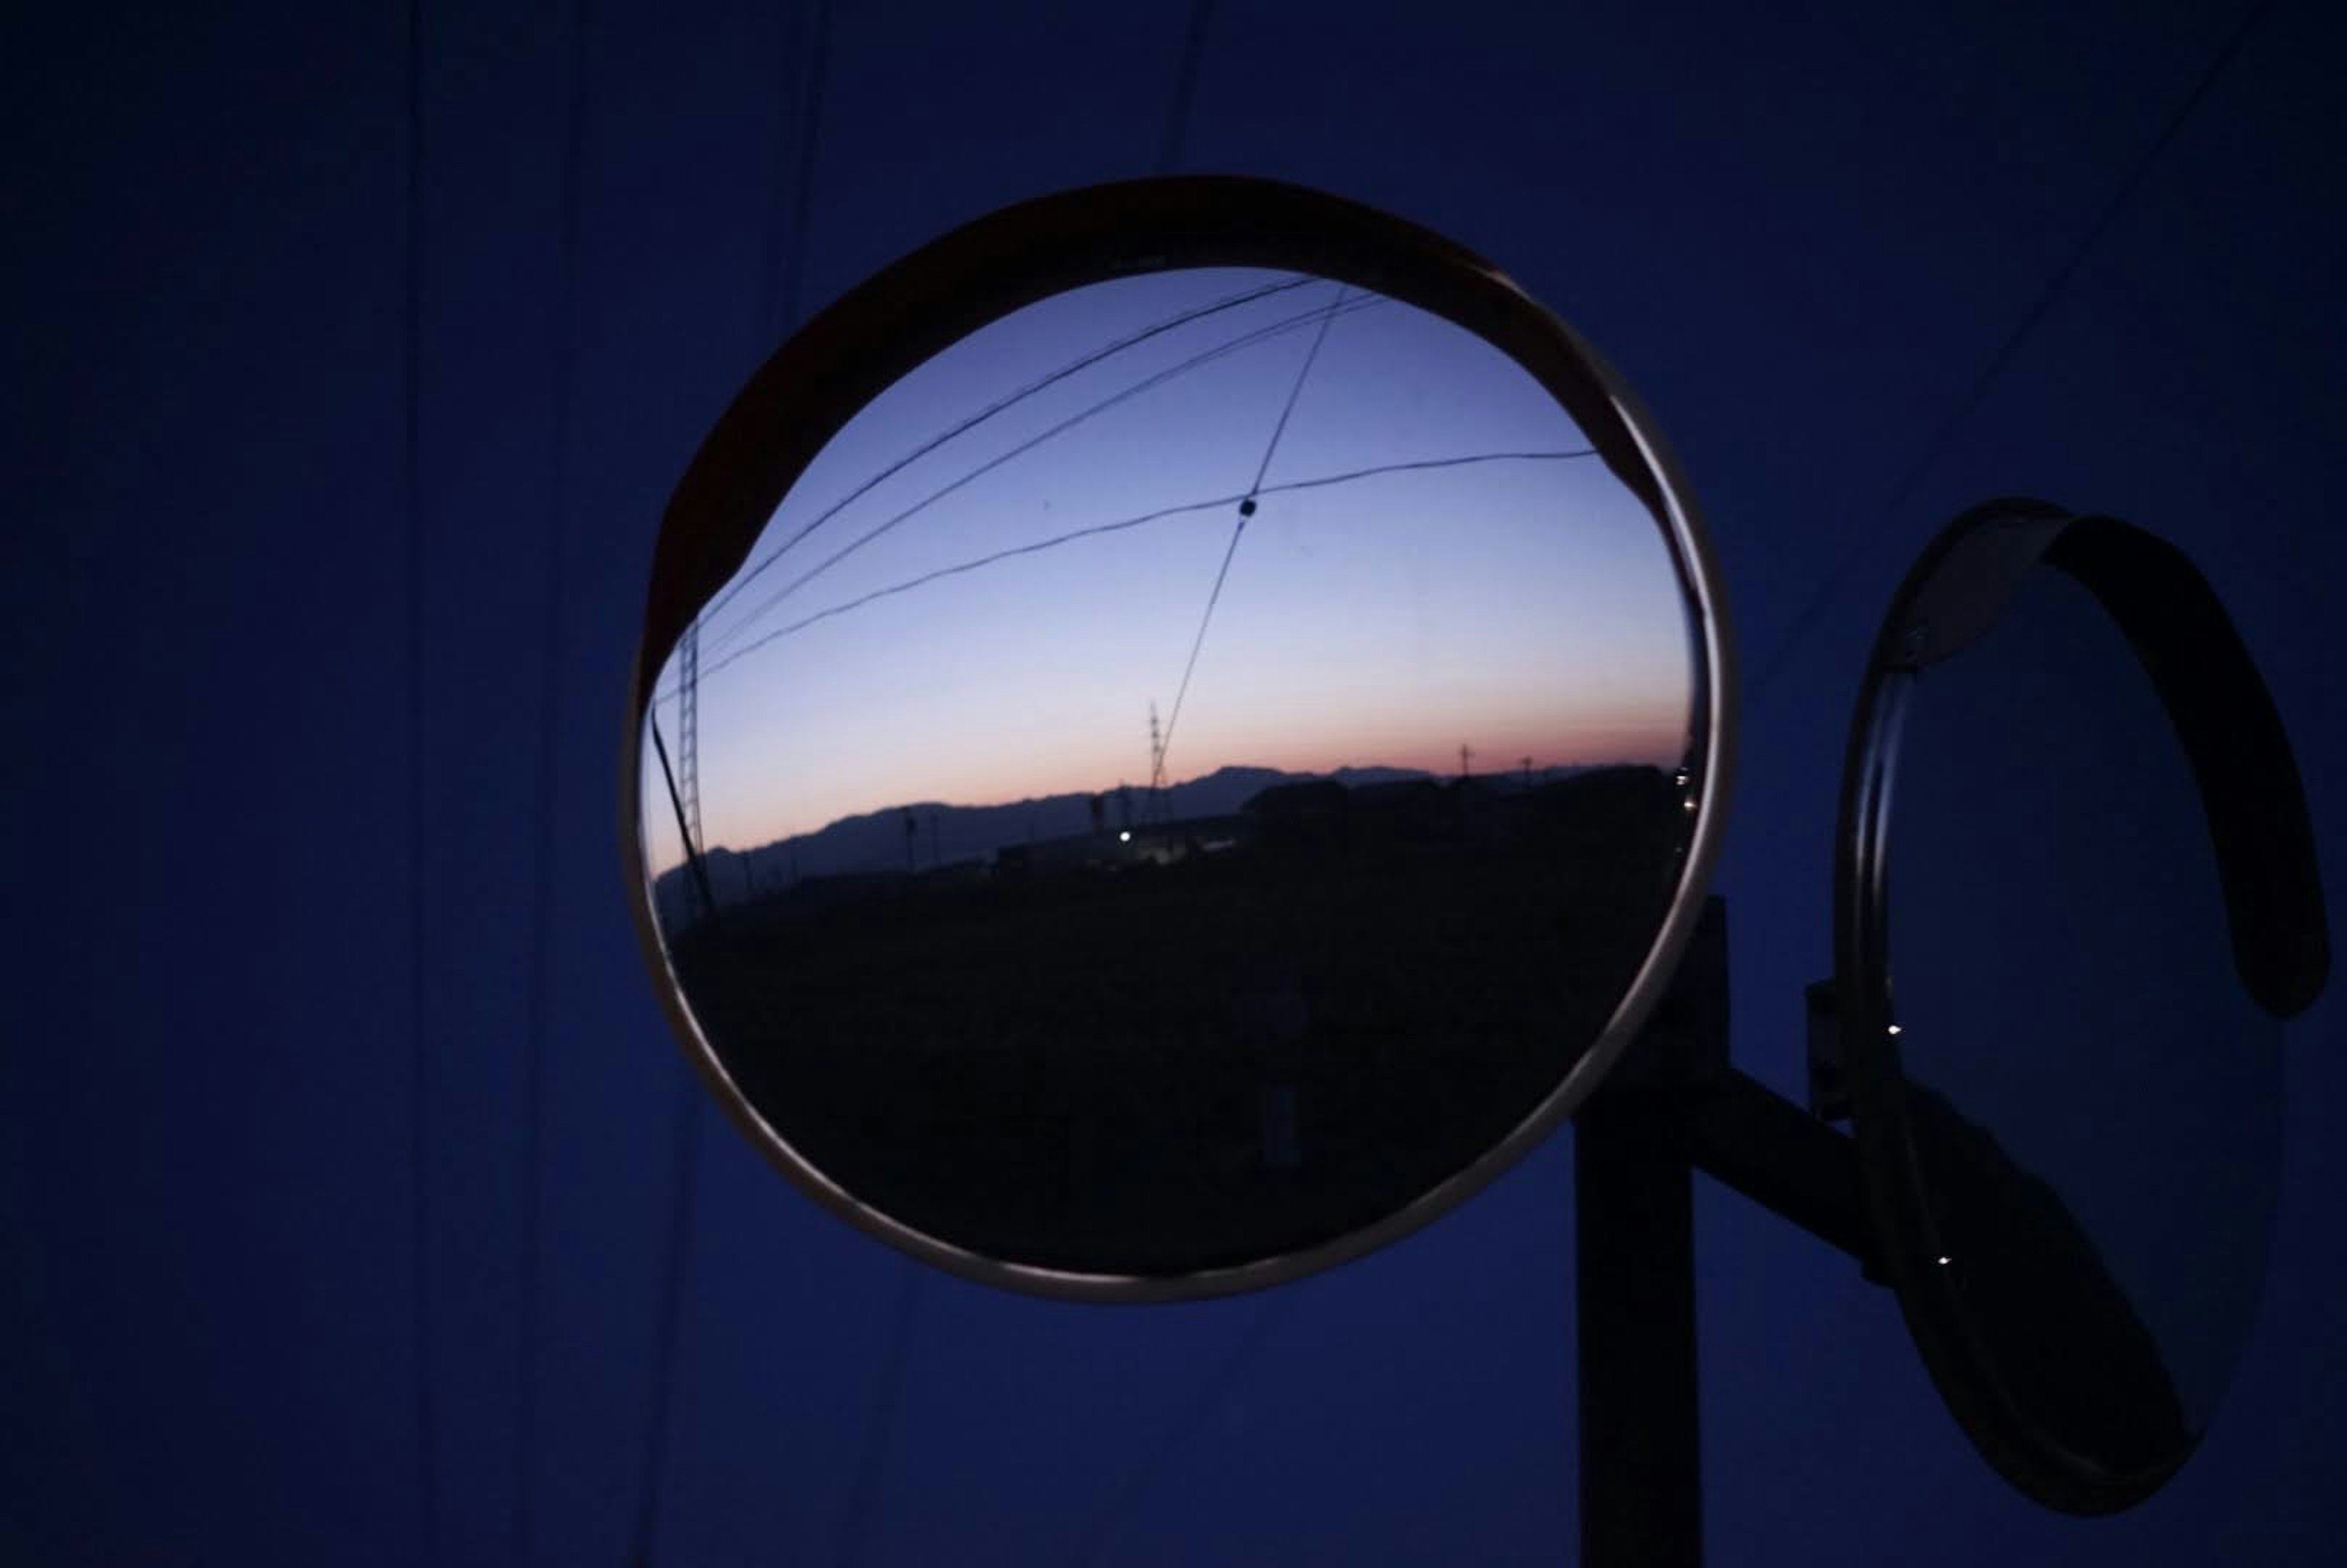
(1125, 837)
(1944, 1262)
(1894, 1028)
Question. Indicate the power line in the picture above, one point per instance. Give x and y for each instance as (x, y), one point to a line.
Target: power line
(1243, 297)
(685, 1196)
(1176, 126)
(411, 466)
(889, 1391)
(1238, 528)
(880, 1424)
(1297, 391)
(1248, 340)
(782, 304)
(1213, 596)
(1830, 587)
(1121, 524)
(538, 1005)
(685, 1184)
(1185, 88)
(1206, 1398)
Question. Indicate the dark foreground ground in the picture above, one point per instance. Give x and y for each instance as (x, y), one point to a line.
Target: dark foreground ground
(1159, 1067)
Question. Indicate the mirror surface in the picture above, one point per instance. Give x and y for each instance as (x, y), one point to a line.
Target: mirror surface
(2092, 1098)
(1183, 772)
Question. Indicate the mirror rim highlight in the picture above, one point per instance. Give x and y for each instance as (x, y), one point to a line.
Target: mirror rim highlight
(1956, 591)
(899, 318)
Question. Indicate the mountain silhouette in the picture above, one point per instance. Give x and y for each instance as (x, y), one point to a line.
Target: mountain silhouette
(873, 844)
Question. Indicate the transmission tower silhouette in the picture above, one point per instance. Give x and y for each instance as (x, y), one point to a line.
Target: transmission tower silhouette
(1156, 766)
(688, 735)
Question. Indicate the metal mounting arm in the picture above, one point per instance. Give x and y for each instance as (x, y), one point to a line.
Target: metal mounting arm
(1675, 1106)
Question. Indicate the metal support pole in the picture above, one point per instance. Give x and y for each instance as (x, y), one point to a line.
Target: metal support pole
(1633, 1203)
(1641, 1479)
(1675, 1105)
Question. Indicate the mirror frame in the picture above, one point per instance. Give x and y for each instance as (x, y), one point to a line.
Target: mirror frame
(884, 327)
(2249, 789)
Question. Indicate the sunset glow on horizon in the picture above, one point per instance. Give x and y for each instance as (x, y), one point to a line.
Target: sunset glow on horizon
(1436, 559)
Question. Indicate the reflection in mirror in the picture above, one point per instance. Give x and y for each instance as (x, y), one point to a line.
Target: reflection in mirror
(2093, 1097)
(1182, 774)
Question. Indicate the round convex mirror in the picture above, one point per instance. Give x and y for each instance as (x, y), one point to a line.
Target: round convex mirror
(1178, 732)
(2077, 900)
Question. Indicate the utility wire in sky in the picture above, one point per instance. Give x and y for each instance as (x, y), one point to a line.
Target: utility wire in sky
(1248, 340)
(1294, 392)
(1185, 88)
(411, 486)
(1830, 587)
(880, 1423)
(1206, 1396)
(1231, 302)
(880, 1420)
(785, 270)
(779, 298)
(538, 1001)
(1121, 524)
(1246, 510)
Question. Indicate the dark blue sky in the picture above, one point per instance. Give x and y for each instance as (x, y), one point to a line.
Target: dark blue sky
(1803, 238)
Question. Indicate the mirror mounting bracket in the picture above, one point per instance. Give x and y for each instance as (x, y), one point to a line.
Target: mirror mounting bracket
(1675, 1105)
(1679, 1085)
(1829, 1059)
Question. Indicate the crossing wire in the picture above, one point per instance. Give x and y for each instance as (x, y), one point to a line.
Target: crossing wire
(1185, 88)
(1238, 528)
(1830, 587)
(1122, 525)
(411, 462)
(691, 1110)
(1156, 329)
(538, 1005)
(1246, 340)
(1206, 1396)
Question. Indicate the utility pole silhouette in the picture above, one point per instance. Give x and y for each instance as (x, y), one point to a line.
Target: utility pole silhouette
(912, 833)
(1466, 755)
(1528, 775)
